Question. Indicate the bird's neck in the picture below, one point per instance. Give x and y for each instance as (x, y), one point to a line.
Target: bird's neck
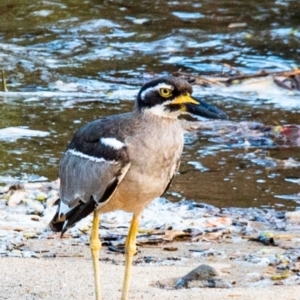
(159, 113)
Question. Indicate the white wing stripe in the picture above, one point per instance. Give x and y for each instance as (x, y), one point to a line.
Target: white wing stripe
(91, 158)
(112, 142)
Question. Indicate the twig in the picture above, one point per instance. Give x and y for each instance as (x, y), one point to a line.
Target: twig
(221, 81)
(4, 87)
(232, 69)
(263, 74)
(200, 78)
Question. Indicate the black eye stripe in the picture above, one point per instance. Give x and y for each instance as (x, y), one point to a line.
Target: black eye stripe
(160, 90)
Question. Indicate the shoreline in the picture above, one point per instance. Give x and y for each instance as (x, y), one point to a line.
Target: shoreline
(69, 275)
(255, 250)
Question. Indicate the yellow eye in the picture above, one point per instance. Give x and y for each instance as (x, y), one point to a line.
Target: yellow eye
(165, 92)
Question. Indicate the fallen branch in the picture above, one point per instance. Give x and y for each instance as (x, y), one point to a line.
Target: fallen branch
(290, 80)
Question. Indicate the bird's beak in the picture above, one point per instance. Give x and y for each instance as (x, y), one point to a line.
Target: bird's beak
(198, 107)
(184, 99)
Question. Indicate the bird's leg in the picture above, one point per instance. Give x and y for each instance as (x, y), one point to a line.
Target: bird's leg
(130, 248)
(95, 245)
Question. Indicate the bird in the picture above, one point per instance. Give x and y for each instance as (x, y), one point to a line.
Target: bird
(125, 161)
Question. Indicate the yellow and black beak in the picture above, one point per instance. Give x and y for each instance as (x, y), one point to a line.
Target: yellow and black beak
(198, 107)
(185, 99)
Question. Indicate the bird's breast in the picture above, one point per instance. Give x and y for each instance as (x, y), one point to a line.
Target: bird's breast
(154, 155)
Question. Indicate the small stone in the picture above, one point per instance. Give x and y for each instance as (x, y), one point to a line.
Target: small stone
(15, 253)
(34, 206)
(84, 227)
(202, 272)
(16, 198)
(211, 283)
(28, 254)
(41, 196)
(252, 277)
(29, 235)
(35, 218)
(170, 248)
(280, 276)
(293, 217)
(19, 229)
(266, 238)
(296, 267)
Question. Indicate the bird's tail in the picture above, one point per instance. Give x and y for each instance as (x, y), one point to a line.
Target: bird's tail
(62, 222)
(55, 224)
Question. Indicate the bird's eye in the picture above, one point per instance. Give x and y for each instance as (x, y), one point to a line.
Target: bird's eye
(165, 92)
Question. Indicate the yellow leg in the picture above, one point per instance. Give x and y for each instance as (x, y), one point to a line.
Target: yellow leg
(130, 248)
(95, 245)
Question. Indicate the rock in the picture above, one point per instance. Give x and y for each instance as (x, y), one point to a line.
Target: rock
(15, 253)
(211, 283)
(262, 283)
(202, 272)
(252, 277)
(35, 218)
(34, 206)
(41, 196)
(28, 254)
(16, 198)
(293, 217)
(280, 276)
(266, 238)
(260, 261)
(30, 234)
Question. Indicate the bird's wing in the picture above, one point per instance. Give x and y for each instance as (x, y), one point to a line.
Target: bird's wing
(172, 176)
(90, 171)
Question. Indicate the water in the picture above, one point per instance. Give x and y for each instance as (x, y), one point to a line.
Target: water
(69, 62)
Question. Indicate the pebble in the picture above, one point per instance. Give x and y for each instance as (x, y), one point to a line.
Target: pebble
(202, 276)
(33, 206)
(211, 283)
(41, 196)
(200, 273)
(293, 217)
(251, 277)
(15, 253)
(16, 198)
(30, 209)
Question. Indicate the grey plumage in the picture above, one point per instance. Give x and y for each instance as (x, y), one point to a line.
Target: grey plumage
(125, 161)
(133, 170)
(148, 160)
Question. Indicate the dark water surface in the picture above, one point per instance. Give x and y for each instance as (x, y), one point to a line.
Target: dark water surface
(94, 55)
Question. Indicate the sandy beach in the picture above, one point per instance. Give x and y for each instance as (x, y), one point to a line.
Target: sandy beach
(254, 252)
(69, 274)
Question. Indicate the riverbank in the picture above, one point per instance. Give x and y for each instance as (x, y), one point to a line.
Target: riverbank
(253, 251)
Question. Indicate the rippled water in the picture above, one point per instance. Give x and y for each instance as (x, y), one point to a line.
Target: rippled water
(69, 62)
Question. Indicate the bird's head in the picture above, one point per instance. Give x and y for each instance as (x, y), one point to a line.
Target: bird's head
(171, 96)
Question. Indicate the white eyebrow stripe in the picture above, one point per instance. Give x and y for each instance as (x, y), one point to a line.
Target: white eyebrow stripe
(91, 158)
(156, 88)
(163, 86)
(112, 142)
